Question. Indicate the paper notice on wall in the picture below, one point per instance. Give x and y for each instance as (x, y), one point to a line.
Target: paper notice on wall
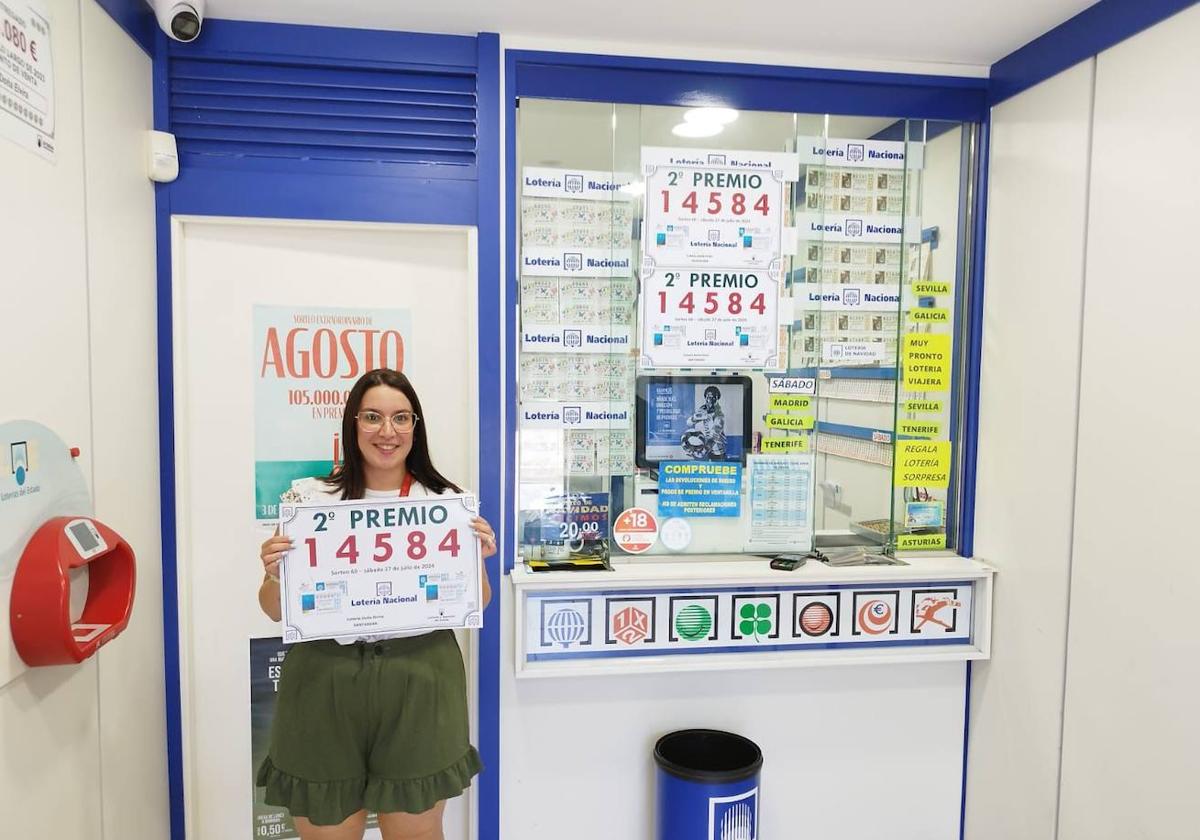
(305, 361)
(27, 76)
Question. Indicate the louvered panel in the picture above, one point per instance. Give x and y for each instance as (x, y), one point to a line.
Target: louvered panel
(199, 104)
(233, 90)
(273, 109)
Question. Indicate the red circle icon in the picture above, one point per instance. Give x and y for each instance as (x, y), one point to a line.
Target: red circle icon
(875, 617)
(635, 531)
(816, 619)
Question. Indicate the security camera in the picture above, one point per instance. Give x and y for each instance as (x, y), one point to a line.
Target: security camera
(180, 19)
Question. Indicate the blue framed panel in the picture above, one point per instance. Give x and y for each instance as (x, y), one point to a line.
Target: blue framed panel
(427, 87)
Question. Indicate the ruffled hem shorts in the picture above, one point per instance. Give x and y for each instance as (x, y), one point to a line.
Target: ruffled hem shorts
(381, 726)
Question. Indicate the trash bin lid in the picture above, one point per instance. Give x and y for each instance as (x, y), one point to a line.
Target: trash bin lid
(708, 755)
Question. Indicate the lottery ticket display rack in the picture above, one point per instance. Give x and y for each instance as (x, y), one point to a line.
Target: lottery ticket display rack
(730, 350)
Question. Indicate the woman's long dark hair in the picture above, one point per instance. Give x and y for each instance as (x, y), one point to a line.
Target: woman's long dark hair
(349, 476)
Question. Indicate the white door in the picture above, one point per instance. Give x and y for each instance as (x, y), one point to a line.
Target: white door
(226, 270)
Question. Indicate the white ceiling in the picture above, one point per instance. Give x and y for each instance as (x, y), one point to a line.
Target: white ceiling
(963, 32)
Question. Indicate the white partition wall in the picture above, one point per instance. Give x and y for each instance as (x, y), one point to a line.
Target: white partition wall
(223, 268)
(1083, 723)
(1131, 741)
(1037, 209)
(82, 747)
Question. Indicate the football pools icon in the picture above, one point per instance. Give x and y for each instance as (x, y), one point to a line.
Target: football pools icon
(630, 626)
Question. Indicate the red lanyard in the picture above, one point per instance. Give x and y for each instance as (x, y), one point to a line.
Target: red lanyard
(406, 485)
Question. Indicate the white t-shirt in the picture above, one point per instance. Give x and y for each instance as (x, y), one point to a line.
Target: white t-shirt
(316, 490)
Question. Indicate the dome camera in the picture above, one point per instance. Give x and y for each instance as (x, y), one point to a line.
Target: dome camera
(180, 19)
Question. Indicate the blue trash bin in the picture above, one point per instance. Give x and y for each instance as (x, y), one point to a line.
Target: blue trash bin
(707, 786)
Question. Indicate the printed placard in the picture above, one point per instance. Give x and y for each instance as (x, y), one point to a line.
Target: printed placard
(929, 315)
(789, 402)
(719, 319)
(923, 406)
(926, 359)
(574, 338)
(374, 567)
(920, 542)
(923, 463)
(853, 152)
(794, 422)
(699, 488)
(785, 445)
(919, 428)
(833, 297)
(27, 99)
(570, 261)
(583, 184)
(792, 384)
(828, 227)
(574, 415)
(853, 352)
(930, 287)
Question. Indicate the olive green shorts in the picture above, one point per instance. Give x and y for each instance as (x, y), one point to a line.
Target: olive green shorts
(381, 726)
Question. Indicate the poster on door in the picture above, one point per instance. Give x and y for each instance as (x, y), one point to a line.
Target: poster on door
(27, 76)
(306, 359)
(266, 667)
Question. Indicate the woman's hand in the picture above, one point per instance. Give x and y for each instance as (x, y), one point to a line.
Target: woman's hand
(487, 536)
(272, 553)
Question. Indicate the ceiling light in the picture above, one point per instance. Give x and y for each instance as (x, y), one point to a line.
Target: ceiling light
(697, 129)
(720, 116)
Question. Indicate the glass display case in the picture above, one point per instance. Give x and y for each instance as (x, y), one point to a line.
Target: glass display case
(737, 333)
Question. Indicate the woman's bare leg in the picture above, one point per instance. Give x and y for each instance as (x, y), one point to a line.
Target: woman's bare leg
(350, 828)
(425, 826)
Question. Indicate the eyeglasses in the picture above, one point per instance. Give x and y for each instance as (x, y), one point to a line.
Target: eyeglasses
(372, 421)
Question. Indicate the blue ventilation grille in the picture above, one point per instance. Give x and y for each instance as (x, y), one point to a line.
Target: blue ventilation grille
(369, 117)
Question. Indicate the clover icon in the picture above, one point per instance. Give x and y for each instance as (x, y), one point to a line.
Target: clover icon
(755, 619)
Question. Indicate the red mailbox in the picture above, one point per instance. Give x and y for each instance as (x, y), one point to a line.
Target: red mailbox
(40, 606)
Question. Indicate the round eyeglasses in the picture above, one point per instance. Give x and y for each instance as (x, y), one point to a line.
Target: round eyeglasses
(372, 421)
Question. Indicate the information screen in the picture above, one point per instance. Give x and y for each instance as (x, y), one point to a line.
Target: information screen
(698, 418)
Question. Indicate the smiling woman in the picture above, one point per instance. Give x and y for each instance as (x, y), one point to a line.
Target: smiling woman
(401, 745)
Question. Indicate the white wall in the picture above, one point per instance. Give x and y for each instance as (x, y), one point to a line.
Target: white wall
(1131, 742)
(1037, 206)
(1083, 723)
(80, 358)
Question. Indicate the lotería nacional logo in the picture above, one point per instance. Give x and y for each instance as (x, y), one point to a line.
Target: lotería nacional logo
(572, 415)
(854, 227)
(573, 183)
(566, 623)
(572, 262)
(733, 817)
(572, 338)
(875, 613)
(855, 152)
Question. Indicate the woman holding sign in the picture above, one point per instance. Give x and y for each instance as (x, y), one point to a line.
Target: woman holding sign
(377, 723)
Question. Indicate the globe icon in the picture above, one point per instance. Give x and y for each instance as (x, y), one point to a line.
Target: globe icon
(566, 626)
(693, 622)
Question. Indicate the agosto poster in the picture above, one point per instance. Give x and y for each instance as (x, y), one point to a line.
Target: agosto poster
(306, 359)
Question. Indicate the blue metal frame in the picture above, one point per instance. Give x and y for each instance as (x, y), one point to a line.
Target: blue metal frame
(1090, 32)
(491, 428)
(297, 191)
